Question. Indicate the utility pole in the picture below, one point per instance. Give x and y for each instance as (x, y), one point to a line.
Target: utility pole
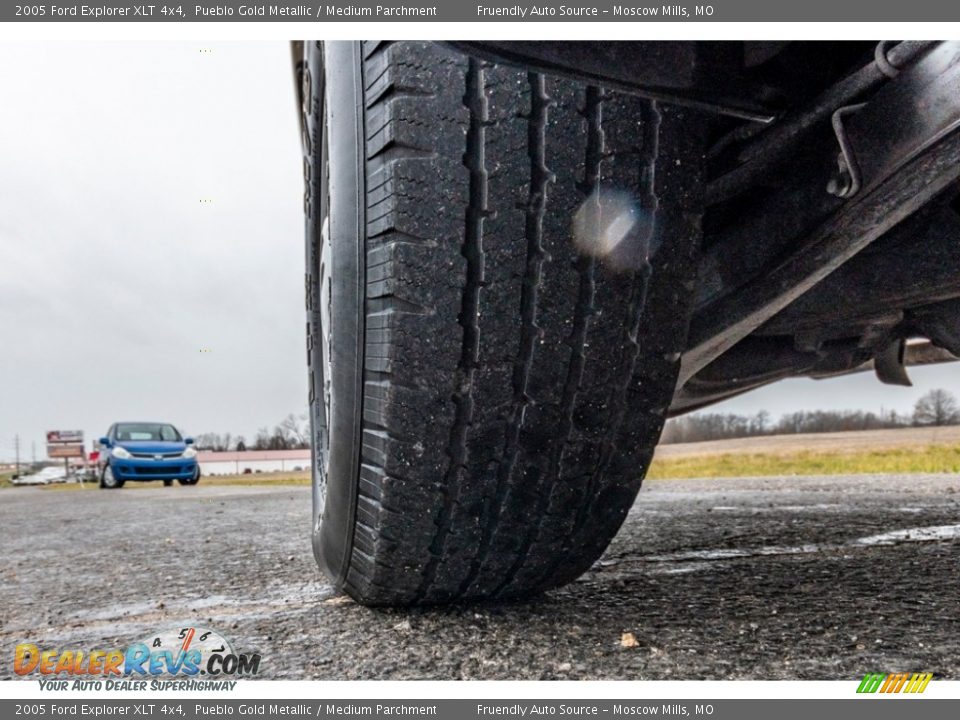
(33, 452)
(16, 447)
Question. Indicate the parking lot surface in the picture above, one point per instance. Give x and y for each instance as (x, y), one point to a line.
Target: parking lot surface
(765, 578)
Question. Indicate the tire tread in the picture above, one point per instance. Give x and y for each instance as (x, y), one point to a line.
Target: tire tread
(512, 394)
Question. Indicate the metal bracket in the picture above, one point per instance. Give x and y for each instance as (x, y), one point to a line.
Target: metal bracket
(848, 180)
(881, 56)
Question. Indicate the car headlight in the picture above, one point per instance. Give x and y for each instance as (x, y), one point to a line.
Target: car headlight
(190, 452)
(119, 452)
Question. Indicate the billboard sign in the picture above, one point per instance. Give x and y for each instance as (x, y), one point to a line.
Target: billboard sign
(64, 436)
(65, 451)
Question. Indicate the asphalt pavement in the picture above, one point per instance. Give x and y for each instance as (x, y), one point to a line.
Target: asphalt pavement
(772, 578)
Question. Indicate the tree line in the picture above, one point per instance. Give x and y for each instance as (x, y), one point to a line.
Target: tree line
(936, 408)
(291, 433)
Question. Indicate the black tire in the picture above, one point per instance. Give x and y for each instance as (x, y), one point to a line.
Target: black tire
(192, 481)
(168, 483)
(108, 481)
(484, 400)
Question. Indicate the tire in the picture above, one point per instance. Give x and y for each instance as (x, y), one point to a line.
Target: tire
(168, 483)
(484, 400)
(108, 481)
(192, 481)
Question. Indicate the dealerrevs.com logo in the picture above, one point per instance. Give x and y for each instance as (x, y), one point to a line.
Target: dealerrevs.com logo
(178, 653)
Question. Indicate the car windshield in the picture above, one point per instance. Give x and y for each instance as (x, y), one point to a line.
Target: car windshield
(147, 431)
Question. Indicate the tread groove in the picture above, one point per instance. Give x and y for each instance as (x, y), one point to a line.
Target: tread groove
(475, 161)
(586, 268)
(640, 280)
(535, 209)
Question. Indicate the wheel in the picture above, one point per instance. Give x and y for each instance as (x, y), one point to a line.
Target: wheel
(168, 483)
(108, 480)
(192, 481)
(485, 399)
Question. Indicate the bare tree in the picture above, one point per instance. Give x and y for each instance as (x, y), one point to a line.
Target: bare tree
(760, 423)
(294, 431)
(205, 441)
(212, 441)
(279, 440)
(262, 440)
(937, 407)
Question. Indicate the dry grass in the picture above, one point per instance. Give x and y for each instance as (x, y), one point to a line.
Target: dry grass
(912, 450)
(839, 442)
(255, 479)
(280, 478)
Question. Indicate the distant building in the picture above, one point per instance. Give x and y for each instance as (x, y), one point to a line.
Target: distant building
(237, 463)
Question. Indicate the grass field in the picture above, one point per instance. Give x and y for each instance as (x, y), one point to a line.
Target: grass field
(281, 478)
(930, 459)
(261, 479)
(907, 450)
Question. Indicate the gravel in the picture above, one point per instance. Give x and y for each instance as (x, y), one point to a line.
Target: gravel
(763, 578)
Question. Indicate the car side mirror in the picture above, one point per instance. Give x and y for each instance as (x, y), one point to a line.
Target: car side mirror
(188, 441)
(105, 442)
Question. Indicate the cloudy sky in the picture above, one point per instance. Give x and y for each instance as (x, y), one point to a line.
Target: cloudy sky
(114, 275)
(150, 209)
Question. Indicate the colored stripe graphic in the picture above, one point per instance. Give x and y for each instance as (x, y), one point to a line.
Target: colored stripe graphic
(894, 682)
(871, 682)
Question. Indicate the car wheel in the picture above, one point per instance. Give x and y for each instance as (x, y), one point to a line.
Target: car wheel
(108, 480)
(486, 385)
(192, 481)
(168, 483)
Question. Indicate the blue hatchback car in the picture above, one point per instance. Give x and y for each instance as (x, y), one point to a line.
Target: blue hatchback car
(146, 451)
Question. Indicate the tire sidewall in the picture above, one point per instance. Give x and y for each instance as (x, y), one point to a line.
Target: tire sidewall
(108, 480)
(192, 481)
(336, 196)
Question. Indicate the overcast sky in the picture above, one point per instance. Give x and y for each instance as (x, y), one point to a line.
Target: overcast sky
(114, 276)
